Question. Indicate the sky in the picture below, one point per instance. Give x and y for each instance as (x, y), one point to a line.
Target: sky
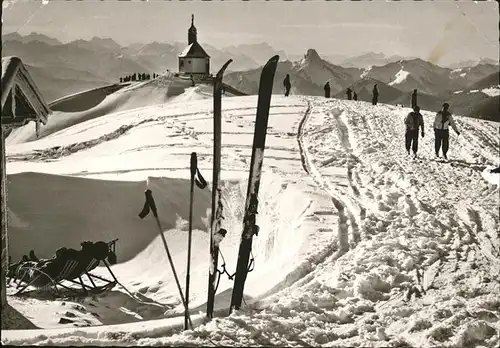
(439, 31)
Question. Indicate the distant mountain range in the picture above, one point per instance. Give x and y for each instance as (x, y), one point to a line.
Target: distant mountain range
(60, 69)
(470, 63)
(99, 61)
(395, 82)
(370, 59)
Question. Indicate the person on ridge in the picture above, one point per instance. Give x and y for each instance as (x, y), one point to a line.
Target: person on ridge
(442, 121)
(414, 99)
(349, 94)
(287, 85)
(32, 256)
(375, 95)
(354, 96)
(327, 89)
(413, 122)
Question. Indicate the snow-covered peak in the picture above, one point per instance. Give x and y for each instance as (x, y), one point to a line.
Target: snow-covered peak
(366, 72)
(400, 77)
(311, 56)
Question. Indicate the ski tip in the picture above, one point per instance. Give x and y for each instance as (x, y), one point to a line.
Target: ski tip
(273, 60)
(224, 67)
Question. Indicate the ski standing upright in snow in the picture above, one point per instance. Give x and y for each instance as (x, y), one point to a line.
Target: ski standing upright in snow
(249, 227)
(216, 218)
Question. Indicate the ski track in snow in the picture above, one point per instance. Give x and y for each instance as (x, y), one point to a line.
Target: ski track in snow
(402, 225)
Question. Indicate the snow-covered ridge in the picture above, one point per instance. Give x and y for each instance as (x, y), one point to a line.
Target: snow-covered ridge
(492, 91)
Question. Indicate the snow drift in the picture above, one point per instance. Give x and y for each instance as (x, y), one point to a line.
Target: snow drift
(98, 102)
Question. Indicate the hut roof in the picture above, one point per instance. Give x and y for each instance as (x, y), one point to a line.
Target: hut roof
(194, 50)
(21, 100)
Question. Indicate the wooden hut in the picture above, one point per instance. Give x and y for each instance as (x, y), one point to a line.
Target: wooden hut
(22, 102)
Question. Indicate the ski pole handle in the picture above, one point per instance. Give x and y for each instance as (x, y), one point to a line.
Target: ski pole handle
(149, 204)
(194, 164)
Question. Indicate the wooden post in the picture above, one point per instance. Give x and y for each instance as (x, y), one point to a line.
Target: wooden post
(3, 218)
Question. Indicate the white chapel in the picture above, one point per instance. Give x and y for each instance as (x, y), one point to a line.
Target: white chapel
(194, 60)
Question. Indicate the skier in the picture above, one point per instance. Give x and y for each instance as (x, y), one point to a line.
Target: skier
(287, 85)
(413, 121)
(349, 94)
(414, 99)
(327, 89)
(355, 96)
(442, 121)
(375, 95)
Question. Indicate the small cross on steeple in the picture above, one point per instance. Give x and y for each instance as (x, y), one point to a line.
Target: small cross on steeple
(192, 32)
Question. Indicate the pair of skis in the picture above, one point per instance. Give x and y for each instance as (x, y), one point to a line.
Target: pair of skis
(250, 228)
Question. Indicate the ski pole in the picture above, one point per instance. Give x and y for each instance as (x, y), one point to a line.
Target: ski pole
(194, 165)
(150, 204)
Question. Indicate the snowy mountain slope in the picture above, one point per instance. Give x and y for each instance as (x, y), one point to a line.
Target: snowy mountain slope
(366, 218)
(481, 74)
(95, 103)
(426, 77)
(133, 155)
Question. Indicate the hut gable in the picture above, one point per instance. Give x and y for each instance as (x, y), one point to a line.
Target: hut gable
(21, 100)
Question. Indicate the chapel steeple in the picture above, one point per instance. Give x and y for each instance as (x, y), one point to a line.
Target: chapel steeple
(192, 32)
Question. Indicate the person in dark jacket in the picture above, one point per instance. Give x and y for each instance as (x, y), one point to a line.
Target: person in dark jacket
(442, 121)
(413, 122)
(349, 93)
(32, 256)
(375, 95)
(414, 99)
(354, 96)
(327, 90)
(287, 84)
